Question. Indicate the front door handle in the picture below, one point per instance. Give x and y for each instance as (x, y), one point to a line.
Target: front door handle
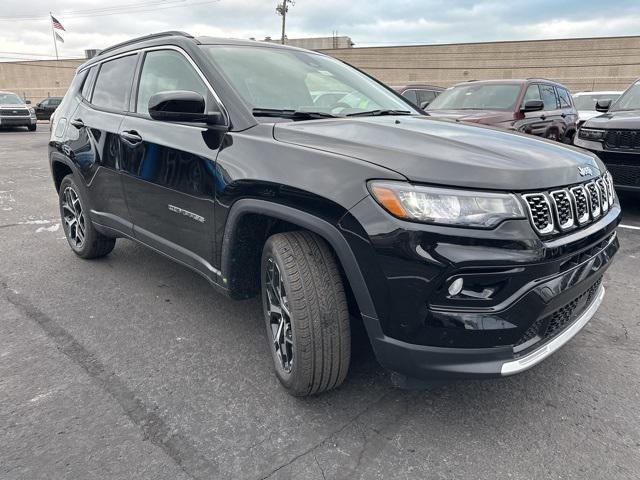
(78, 123)
(131, 136)
(543, 117)
(563, 115)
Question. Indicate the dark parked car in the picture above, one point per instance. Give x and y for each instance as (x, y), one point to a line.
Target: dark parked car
(45, 108)
(418, 94)
(535, 106)
(467, 252)
(615, 137)
(16, 112)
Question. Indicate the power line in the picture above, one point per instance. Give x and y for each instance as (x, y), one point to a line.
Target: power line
(140, 8)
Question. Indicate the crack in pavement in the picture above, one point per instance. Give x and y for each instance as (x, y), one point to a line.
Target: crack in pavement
(330, 435)
(154, 429)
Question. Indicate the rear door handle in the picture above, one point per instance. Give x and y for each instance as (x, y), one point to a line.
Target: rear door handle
(77, 122)
(543, 117)
(131, 136)
(563, 115)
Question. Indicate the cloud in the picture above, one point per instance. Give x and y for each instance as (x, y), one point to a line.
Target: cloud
(368, 22)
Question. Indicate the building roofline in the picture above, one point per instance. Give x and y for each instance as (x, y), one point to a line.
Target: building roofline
(538, 40)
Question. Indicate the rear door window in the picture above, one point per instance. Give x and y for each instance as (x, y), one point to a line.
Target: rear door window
(548, 94)
(114, 83)
(425, 96)
(411, 95)
(563, 97)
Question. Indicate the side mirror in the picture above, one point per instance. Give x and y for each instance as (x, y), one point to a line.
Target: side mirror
(533, 106)
(182, 106)
(424, 105)
(28, 102)
(603, 105)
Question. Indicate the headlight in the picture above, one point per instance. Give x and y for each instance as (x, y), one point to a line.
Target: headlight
(445, 206)
(591, 134)
(32, 111)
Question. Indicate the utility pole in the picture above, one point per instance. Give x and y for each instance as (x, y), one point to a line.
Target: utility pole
(282, 9)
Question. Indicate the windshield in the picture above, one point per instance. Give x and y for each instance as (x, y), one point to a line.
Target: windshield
(630, 100)
(477, 97)
(588, 101)
(284, 79)
(10, 99)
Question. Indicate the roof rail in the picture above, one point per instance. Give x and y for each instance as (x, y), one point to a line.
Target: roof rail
(170, 33)
(541, 78)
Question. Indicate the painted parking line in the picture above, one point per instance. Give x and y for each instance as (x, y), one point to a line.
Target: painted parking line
(630, 227)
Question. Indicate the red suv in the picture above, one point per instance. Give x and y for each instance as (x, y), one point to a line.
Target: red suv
(535, 106)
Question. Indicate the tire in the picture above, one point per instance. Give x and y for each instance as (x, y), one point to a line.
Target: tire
(553, 135)
(317, 339)
(91, 243)
(32, 128)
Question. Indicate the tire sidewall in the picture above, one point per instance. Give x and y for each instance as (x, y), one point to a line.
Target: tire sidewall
(68, 181)
(290, 380)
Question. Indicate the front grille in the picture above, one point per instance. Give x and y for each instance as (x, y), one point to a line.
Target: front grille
(548, 327)
(625, 175)
(564, 209)
(623, 139)
(14, 112)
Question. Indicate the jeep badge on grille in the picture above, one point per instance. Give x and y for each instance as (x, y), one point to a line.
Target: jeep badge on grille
(584, 171)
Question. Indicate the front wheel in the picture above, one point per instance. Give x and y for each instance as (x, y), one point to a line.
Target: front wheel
(32, 128)
(306, 313)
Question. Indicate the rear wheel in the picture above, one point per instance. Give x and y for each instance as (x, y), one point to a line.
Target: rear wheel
(306, 314)
(553, 135)
(82, 236)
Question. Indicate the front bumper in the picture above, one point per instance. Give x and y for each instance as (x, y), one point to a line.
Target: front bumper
(570, 300)
(10, 121)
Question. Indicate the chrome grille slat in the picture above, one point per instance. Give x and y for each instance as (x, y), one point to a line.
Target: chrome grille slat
(561, 210)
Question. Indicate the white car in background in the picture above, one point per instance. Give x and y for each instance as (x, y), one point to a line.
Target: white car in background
(585, 103)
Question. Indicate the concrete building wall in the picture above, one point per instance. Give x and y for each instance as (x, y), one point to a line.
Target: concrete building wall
(581, 64)
(36, 80)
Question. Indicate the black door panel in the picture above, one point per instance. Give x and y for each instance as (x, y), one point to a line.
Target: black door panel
(94, 147)
(170, 191)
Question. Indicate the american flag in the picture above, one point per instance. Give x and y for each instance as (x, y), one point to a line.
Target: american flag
(56, 23)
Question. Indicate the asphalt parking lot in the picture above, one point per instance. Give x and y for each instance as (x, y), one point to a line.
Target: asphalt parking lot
(132, 367)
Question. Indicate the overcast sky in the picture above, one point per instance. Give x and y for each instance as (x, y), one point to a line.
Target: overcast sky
(367, 22)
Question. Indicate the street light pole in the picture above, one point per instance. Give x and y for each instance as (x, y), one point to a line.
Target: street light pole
(282, 10)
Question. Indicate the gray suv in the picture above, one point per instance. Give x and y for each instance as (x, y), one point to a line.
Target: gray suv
(15, 112)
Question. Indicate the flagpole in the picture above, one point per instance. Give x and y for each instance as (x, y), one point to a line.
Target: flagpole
(53, 34)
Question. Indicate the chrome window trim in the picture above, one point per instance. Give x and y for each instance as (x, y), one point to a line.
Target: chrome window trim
(223, 109)
(549, 228)
(571, 222)
(585, 218)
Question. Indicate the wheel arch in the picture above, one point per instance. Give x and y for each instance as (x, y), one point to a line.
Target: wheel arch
(59, 170)
(243, 209)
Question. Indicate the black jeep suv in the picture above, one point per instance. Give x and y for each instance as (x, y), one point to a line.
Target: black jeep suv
(467, 251)
(615, 137)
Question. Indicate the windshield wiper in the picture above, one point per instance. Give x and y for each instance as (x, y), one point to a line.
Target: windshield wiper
(292, 114)
(379, 113)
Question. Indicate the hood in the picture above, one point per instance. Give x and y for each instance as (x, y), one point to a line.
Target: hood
(584, 115)
(486, 117)
(14, 105)
(623, 119)
(444, 152)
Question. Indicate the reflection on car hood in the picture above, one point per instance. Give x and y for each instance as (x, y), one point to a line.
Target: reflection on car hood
(13, 105)
(475, 116)
(445, 152)
(584, 115)
(623, 119)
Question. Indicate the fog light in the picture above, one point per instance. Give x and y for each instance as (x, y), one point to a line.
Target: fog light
(456, 287)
